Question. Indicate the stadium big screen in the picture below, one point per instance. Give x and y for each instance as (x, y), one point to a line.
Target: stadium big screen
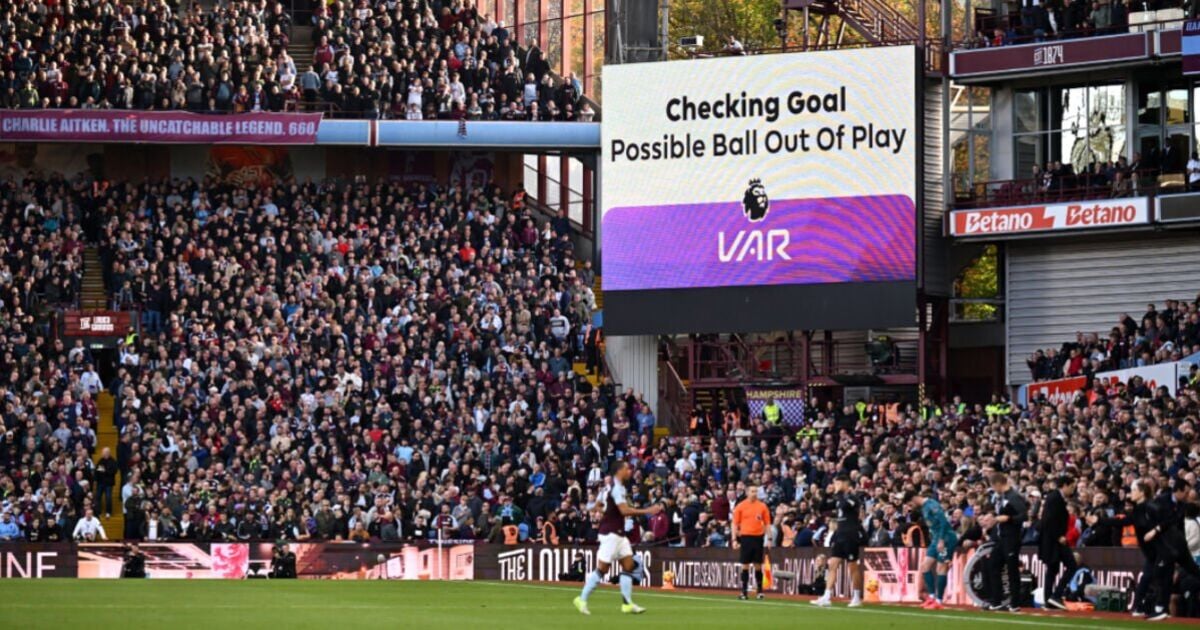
(760, 193)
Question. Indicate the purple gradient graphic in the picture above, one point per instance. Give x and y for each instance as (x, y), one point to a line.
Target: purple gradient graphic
(839, 239)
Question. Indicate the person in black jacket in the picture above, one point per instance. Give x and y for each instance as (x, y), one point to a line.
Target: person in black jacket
(1172, 542)
(1006, 525)
(1052, 544)
(1148, 520)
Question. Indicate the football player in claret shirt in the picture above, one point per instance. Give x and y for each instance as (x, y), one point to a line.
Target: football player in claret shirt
(942, 542)
(614, 546)
(847, 539)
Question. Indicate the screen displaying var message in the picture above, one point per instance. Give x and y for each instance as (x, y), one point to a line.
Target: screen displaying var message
(762, 170)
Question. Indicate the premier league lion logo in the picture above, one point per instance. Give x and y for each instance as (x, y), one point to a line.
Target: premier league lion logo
(755, 203)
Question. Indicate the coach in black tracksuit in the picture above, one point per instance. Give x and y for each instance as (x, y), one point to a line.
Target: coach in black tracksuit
(1173, 547)
(1162, 545)
(1052, 542)
(1010, 511)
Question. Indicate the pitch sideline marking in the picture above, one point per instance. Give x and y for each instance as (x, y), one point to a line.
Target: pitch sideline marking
(863, 610)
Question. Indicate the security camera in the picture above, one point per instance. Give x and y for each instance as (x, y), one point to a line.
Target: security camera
(694, 41)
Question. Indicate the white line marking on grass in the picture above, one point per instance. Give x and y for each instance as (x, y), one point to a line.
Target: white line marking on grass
(1042, 621)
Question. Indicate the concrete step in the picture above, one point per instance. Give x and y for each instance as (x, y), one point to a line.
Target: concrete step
(580, 368)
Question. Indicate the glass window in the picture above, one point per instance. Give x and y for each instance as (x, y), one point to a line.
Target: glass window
(1106, 105)
(982, 143)
(593, 88)
(554, 47)
(1149, 105)
(1026, 111)
(1028, 152)
(1177, 106)
(1196, 103)
(1079, 125)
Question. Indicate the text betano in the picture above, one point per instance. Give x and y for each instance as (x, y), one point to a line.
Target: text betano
(1068, 216)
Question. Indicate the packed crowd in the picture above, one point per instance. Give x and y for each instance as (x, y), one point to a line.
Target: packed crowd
(315, 360)
(413, 60)
(1066, 19)
(1162, 335)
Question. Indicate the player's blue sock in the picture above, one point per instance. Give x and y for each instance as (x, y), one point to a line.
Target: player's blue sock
(941, 586)
(929, 583)
(593, 580)
(627, 588)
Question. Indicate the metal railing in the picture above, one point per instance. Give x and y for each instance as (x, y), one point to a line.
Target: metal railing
(976, 310)
(994, 30)
(1088, 187)
(784, 360)
(934, 51)
(673, 399)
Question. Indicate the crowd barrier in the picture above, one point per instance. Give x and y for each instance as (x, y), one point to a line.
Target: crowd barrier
(891, 574)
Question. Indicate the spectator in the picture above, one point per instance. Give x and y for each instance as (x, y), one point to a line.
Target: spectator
(88, 528)
(9, 530)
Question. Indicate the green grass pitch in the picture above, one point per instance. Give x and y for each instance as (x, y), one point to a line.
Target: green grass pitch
(222, 605)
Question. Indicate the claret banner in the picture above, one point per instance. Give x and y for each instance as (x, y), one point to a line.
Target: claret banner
(737, 189)
(97, 125)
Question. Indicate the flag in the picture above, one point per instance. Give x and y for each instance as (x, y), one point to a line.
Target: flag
(768, 580)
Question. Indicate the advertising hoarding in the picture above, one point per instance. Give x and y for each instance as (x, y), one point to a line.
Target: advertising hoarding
(1053, 217)
(760, 192)
(97, 323)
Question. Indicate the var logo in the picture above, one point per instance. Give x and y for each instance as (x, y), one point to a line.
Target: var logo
(758, 245)
(754, 245)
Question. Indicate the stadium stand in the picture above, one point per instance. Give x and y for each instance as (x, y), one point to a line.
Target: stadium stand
(328, 360)
(1070, 20)
(1163, 335)
(369, 61)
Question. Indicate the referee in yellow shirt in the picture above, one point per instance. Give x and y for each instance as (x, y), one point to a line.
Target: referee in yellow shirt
(751, 518)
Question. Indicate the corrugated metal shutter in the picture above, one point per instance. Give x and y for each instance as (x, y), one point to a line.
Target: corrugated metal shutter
(1055, 288)
(934, 256)
(634, 363)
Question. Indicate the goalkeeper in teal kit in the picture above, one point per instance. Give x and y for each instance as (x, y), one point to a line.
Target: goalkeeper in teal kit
(942, 541)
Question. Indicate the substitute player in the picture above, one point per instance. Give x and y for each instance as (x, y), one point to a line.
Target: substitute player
(751, 518)
(614, 546)
(847, 541)
(942, 542)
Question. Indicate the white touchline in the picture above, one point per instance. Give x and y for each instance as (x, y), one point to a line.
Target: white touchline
(866, 610)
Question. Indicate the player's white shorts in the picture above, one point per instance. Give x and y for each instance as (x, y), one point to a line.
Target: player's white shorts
(613, 547)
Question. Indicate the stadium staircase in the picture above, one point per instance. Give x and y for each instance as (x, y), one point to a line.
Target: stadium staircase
(580, 368)
(875, 20)
(93, 296)
(301, 47)
(106, 436)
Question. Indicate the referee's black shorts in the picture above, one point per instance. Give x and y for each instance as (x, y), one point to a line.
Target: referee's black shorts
(750, 550)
